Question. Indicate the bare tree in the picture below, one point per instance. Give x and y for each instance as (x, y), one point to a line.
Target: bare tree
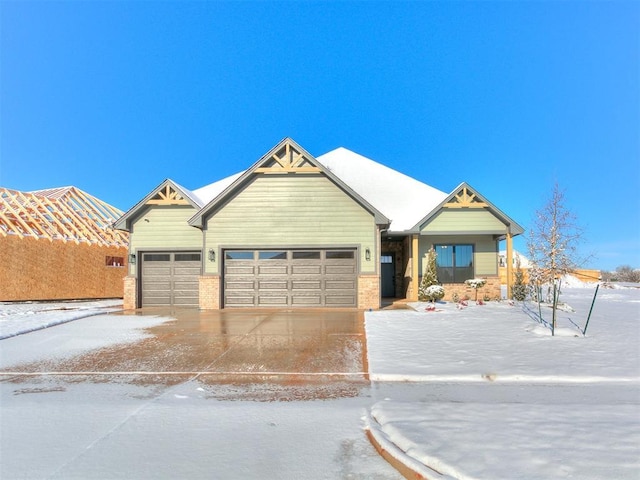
(553, 247)
(623, 273)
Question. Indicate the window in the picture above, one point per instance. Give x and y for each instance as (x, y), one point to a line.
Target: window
(339, 254)
(187, 257)
(272, 255)
(114, 261)
(386, 259)
(454, 263)
(314, 255)
(157, 257)
(242, 255)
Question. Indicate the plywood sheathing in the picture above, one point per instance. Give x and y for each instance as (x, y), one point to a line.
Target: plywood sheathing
(65, 214)
(32, 269)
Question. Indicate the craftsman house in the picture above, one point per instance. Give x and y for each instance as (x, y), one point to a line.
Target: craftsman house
(293, 230)
(59, 244)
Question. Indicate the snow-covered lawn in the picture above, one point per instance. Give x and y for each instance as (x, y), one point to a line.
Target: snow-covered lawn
(482, 392)
(17, 318)
(574, 407)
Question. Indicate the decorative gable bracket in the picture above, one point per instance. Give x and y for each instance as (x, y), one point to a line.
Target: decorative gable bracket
(287, 160)
(167, 196)
(465, 198)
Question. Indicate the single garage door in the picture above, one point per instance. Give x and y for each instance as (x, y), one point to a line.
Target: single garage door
(170, 278)
(290, 278)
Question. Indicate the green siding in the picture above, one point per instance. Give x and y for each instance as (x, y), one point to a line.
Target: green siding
(464, 221)
(292, 210)
(485, 250)
(165, 227)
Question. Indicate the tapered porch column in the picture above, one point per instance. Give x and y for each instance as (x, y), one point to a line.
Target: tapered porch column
(509, 261)
(415, 272)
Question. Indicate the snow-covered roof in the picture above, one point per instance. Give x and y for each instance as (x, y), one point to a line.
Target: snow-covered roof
(524, 261)
(402, 199)
(207, 193)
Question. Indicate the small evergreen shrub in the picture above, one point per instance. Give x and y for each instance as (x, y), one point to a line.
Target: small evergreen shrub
(519, 287)
(433, 293)
(430, 279)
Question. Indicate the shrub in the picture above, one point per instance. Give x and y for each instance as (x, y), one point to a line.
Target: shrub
(476, 283)
(429, 279)
(519, 287)
(433, 293)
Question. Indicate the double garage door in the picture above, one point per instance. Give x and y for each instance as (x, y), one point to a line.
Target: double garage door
(290, 278)
(254, 278)
(170, 278)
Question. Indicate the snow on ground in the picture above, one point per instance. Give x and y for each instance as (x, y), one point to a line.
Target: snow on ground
(575, 412)
(17, 318)
(482, 392)
(27, 317)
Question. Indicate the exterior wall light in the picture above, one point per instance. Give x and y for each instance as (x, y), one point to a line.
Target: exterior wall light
(212, 255)
(367, 254)
(132, 258)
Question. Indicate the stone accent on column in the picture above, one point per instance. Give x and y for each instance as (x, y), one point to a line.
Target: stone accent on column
(369, 292)
(130, 299)
(209, 287)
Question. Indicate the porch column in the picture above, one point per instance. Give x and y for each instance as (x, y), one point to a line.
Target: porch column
(415, 272)
(509, 264)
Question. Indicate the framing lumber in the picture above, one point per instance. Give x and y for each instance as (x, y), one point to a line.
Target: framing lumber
(465, 198)
(168, 196)
(288, 160)
(66, 214)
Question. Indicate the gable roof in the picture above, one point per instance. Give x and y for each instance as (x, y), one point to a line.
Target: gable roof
(167, 193)
(209, 192)
(397, 201)
(402, 199)
(65, 213)
(286, 157)
(465, 196)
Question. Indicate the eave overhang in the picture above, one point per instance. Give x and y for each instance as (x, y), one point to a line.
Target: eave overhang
(167, 193)
(273, 162)
(512, 227)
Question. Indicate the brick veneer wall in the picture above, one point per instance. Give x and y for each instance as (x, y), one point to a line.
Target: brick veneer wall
(130, 300)
(369, 292)
(490, 290)
(209, 287)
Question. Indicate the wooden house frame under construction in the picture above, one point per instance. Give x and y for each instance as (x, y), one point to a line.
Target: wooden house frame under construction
(59, 244)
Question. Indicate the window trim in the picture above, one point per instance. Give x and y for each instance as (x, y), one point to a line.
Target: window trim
(456, 270)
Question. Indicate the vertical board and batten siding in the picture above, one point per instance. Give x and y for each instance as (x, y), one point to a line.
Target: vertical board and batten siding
(292, 210)
(464, 221)
(165, 227)
(485, 250)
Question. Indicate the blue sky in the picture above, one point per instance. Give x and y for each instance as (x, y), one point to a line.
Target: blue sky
(511, 97)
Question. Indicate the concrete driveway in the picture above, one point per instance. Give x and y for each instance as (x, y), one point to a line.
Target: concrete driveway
(226, 394)
(325, 350)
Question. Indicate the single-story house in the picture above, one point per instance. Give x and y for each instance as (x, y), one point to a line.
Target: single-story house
(294, 230)
(59, 244)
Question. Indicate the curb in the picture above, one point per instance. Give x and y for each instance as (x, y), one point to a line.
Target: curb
(407, 466)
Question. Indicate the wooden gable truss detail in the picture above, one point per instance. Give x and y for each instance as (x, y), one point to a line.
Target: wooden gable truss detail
(465, 198)
(167, 196)
(287, 160)
(66, 214)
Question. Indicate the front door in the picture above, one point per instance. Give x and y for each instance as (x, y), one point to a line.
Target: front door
(388, 274)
